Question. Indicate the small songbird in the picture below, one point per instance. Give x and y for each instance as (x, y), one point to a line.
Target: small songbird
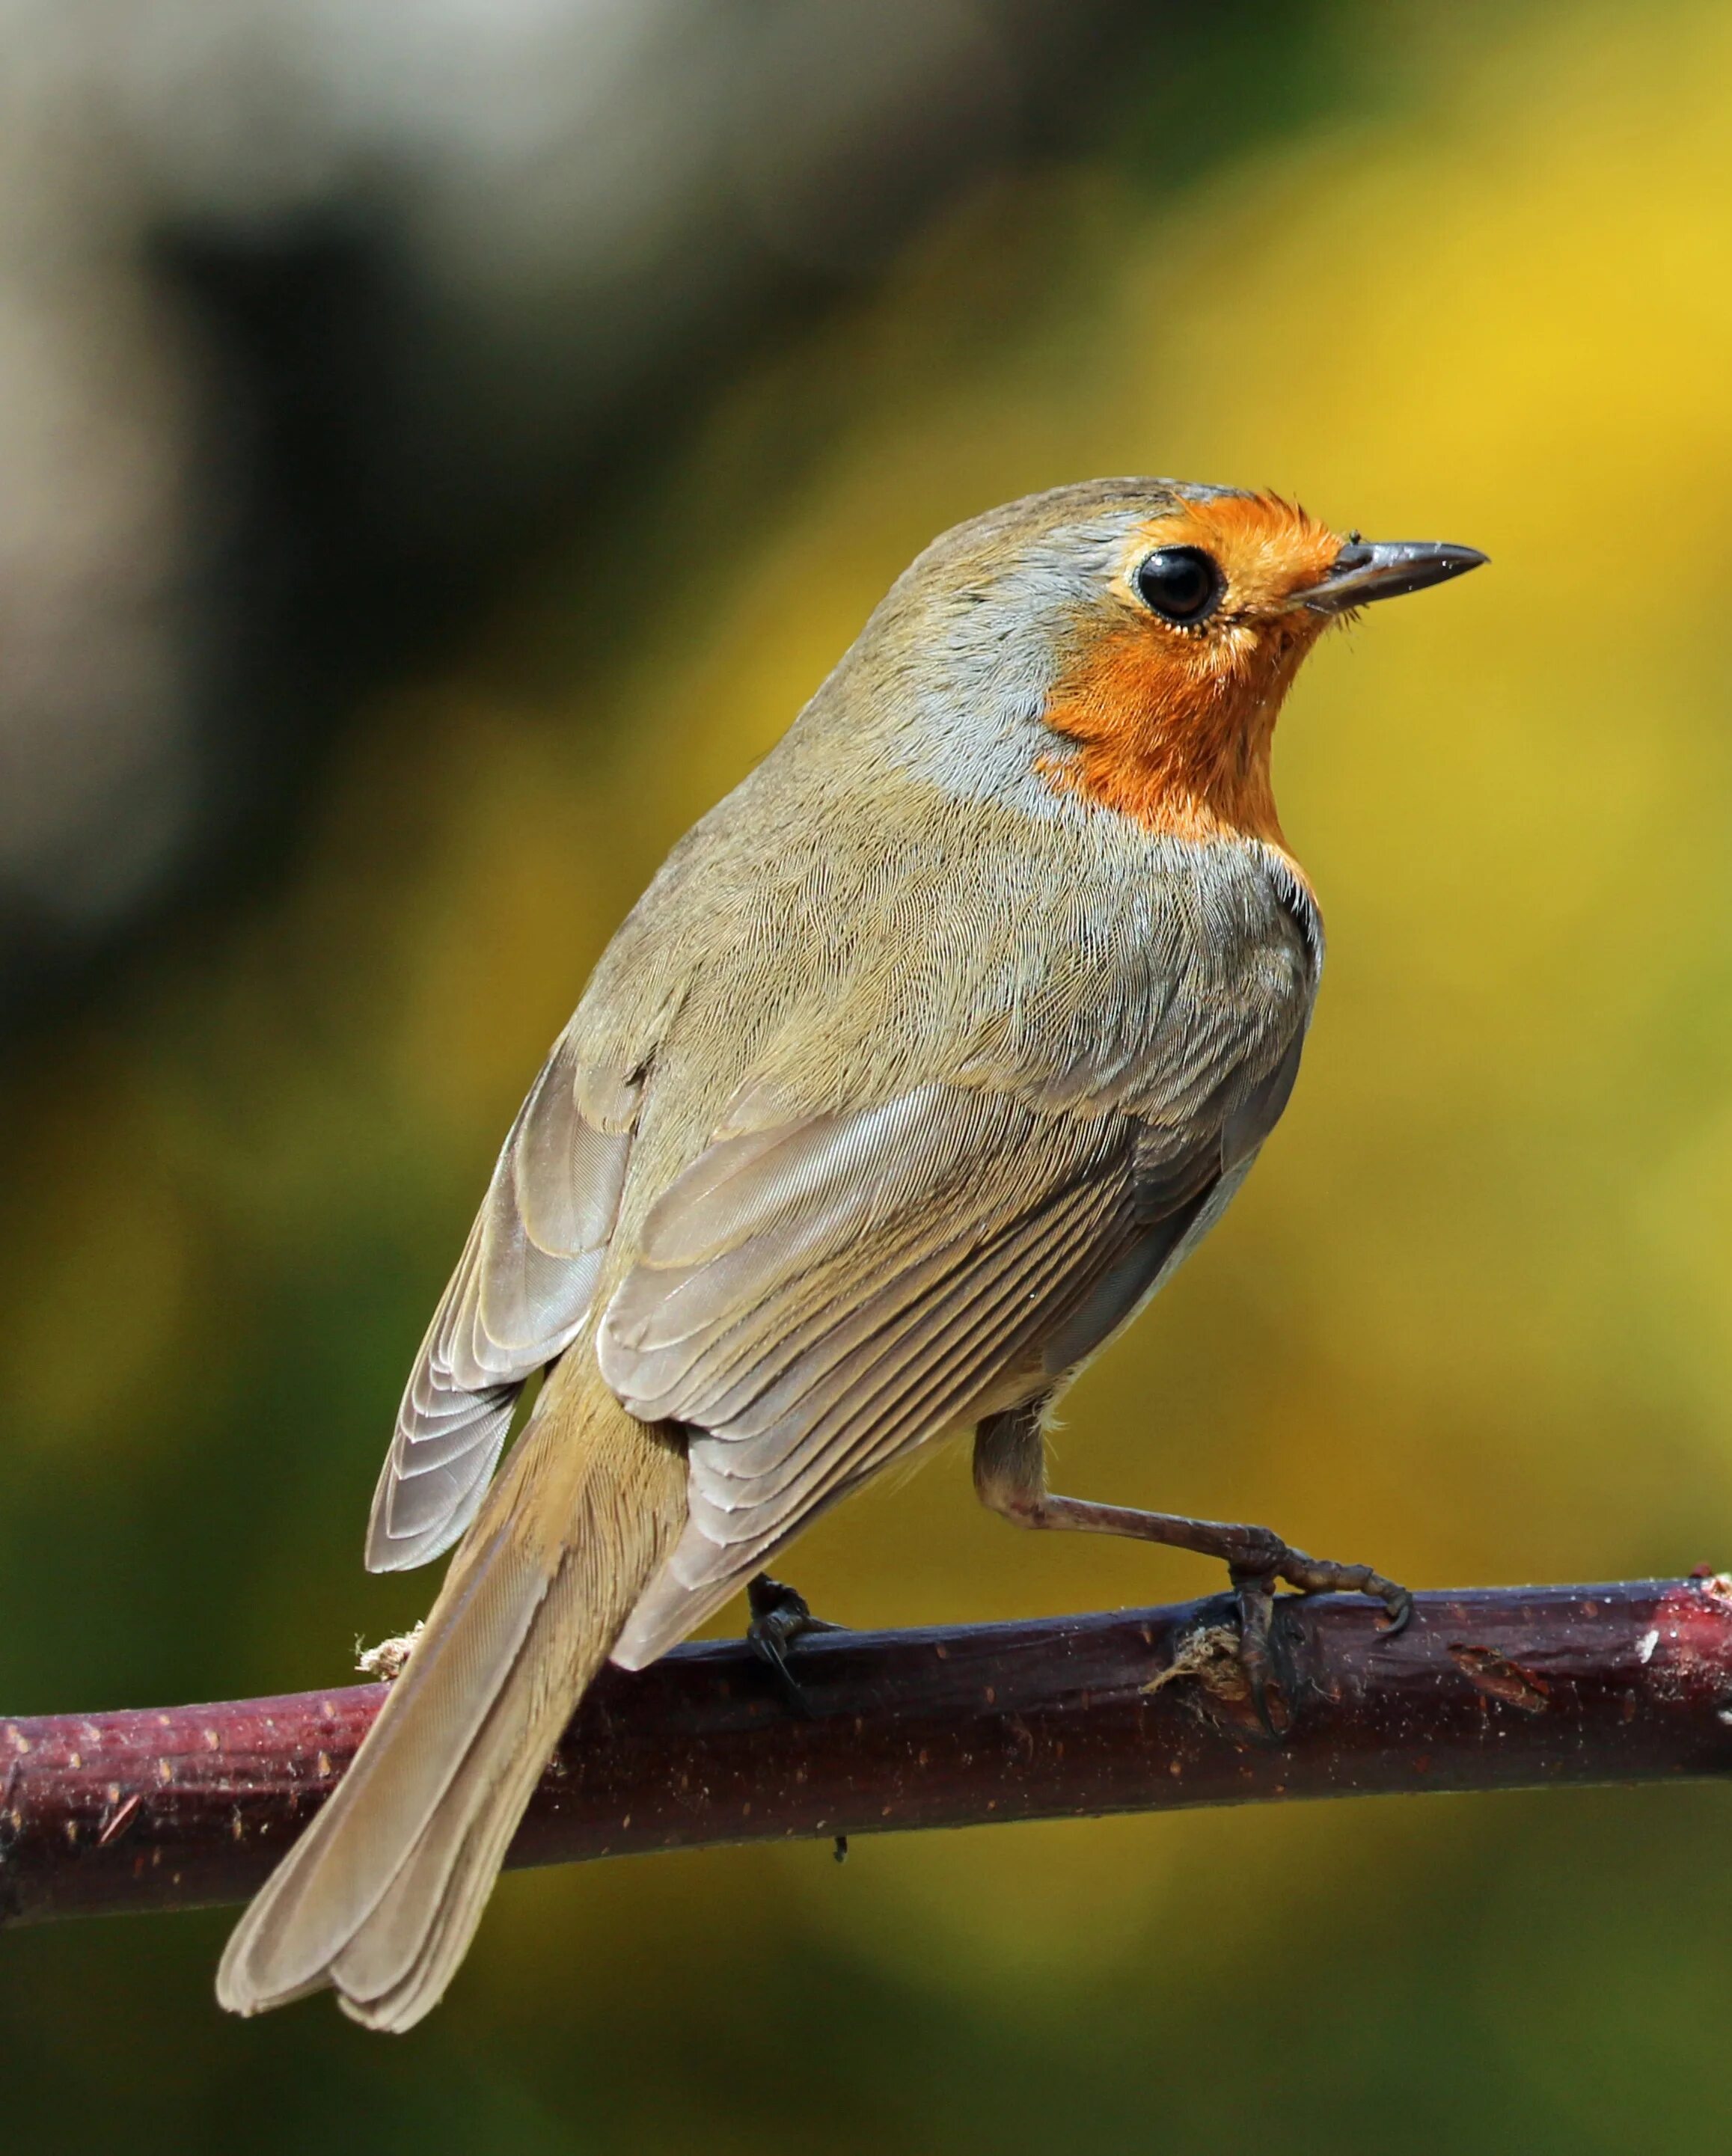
(924, 1060)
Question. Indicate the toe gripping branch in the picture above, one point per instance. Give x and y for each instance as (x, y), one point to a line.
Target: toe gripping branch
(1259, 1561)
(781, 1615)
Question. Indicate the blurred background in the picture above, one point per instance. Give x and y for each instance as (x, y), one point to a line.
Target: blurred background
(442, 442)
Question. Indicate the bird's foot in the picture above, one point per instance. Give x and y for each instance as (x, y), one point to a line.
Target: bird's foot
(1260, 1561)
(780, 1616)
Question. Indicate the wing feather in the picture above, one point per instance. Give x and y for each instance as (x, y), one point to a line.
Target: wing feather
(981, 1220)
(991, 1231)
(521, 1289)
(887, 1395)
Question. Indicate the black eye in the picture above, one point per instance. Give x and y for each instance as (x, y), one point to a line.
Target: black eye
(1182, 584)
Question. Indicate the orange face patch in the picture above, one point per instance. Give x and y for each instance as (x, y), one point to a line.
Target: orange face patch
(1174, 726)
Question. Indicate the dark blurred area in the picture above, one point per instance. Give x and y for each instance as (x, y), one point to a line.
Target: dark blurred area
(440, 448)
(319, 321)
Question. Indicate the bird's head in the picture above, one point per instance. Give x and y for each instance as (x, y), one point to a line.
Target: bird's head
(1128, 643)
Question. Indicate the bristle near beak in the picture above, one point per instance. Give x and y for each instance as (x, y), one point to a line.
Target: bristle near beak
(1364, 571)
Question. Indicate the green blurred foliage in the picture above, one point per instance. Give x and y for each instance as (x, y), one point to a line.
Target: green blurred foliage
(1467, 273)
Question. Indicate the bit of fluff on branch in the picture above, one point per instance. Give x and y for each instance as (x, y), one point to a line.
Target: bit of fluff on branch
(1140, 1710)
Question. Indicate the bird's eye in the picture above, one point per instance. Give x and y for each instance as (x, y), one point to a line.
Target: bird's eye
(1182, 584)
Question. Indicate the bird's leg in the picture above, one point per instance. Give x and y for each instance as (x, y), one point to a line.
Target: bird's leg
(780, 1616)
(1010, 1476)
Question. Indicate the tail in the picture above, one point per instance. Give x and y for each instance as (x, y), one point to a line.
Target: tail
(381, 1896)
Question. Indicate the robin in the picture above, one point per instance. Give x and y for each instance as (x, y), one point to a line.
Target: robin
(924, 1060)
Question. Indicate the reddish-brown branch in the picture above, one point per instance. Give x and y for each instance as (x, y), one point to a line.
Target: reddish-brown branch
(1135, 1711)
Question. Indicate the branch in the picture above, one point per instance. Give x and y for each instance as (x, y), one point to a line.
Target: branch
(1138, 1710)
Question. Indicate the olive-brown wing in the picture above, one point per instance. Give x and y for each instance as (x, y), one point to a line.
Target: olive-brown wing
(521, 1289)
(814, 1300)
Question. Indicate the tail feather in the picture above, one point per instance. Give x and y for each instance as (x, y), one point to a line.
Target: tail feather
(382, 1895)
(394, 1969)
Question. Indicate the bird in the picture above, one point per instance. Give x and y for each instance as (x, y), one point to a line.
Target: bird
(924, 1060)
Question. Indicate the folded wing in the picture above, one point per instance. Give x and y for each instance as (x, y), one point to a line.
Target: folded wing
(521, 1289)
(814, 1300)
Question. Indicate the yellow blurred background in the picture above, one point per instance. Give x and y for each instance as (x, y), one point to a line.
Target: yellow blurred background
(1471, 1320)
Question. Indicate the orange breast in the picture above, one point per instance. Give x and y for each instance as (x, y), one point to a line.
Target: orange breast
(1175, 729)
(1171, 747)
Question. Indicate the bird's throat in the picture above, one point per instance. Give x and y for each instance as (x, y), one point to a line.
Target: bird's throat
(1179, 745)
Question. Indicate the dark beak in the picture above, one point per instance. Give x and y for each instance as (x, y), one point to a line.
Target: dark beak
(1364, 571)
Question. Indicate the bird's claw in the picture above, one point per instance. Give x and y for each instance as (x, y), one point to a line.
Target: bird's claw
(1256, 1570)
(1256, 1594)
(780, 1615)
